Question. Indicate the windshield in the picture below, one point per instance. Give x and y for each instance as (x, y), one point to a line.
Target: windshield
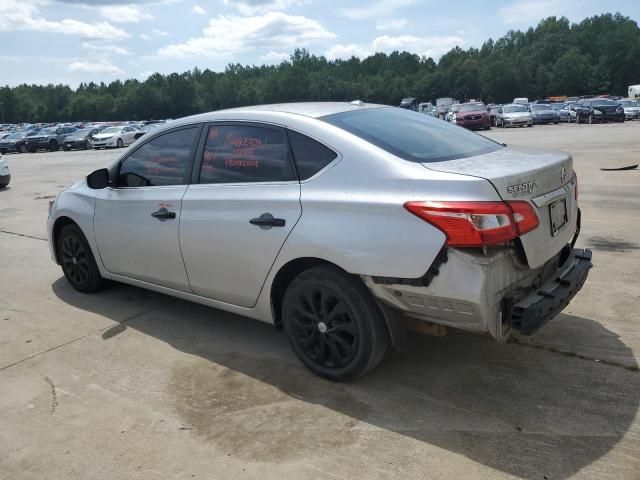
(557, 106)
(112, 130)
(629, 103)
(604, 103)
(539, 108)
(411, 135)
(83, 132)
(476, 107)
(15, 136)
(514, 109)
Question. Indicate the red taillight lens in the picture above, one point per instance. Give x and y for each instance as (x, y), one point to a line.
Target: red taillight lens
(524, 216)
(477, 224)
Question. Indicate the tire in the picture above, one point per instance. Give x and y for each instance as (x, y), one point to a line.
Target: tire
(529, 125)
(590, 119)
(66, 148)
(32, 149)
(577, 119)
(85, 146)
(53, 146)
(119, 143)
(22, 148)
(2, 185)
(333, 324)
(77, 261)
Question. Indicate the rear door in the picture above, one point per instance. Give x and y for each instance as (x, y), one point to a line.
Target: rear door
(136, 220)
(242, 205)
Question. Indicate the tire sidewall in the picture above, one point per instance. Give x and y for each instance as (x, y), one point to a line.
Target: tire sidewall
(94, 281)
(365, 313)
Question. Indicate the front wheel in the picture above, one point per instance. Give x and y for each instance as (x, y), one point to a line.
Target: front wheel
(77, 261)
(22, 148)
(333, 324)
(53, 146)
(119, 144)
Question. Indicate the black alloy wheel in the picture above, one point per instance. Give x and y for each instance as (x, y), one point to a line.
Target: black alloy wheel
(78, 265)
(333, 324)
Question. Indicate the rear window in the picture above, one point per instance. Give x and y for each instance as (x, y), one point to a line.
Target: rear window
(411, 135)
(310, 156)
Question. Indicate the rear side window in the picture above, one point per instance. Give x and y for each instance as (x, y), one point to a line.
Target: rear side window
(411, 135)
(310, 156)
(243, 153)
(165, 160)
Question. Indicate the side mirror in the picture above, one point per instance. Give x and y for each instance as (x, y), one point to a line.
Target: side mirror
(99, 179)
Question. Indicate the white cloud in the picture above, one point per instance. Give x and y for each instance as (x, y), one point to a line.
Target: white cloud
(102, 66)
(124, 13)
(230, 34)
(525, 12)
(253, 7)
(144, 36)
(160, 33)
(114, 49)
(347, 51)
(274, 57)
(427, 46)
(391, 24)
(379, 9)
(16, 15)
(198, 10)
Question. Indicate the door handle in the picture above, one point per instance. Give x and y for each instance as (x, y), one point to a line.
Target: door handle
(266, 221)
(163, 214)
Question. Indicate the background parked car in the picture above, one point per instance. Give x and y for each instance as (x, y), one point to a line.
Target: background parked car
(15, 142)
(631, 109)
(5, 175)
(600, 110)
(562, 112)
(79, 139)
(145, 129)
(453, 109)
(543, 113)
(514, 115)
(493, 114)
(473, 115)
(48, 138)
(410, 103)
(114, 137)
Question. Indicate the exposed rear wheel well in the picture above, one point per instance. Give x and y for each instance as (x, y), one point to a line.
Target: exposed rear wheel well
(57, 227)
(284, 277)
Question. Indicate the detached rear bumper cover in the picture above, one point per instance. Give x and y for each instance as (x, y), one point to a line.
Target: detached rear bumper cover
(530, 313)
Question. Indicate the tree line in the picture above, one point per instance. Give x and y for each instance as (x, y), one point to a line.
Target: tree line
(599, 55)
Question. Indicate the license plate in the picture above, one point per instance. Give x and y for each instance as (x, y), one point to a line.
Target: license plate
(558, 215)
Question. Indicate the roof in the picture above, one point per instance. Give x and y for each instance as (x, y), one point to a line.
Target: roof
(307, 109)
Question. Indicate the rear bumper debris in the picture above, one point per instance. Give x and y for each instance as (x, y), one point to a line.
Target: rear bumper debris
(530, 313)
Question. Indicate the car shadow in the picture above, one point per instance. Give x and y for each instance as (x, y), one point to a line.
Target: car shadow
(523, 410)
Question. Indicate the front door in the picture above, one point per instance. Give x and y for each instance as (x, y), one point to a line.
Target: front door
(136, 221)
(236, 219)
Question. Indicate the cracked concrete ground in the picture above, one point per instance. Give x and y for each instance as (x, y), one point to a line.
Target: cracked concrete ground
(132, 384)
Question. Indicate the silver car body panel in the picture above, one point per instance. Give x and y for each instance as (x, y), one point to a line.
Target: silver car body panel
(350, 214)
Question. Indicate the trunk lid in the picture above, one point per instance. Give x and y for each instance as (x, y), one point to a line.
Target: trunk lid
(542, 178)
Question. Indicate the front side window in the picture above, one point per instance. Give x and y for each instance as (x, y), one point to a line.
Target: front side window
(412, 136)
(310, 156)
(244, 153)
(165, 160)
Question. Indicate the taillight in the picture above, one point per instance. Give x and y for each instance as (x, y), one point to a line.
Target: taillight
(477, 224)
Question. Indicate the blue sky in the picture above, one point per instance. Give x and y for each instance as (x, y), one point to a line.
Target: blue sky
(70, 41)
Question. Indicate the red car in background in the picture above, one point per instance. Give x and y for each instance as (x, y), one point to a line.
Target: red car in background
(473, 115)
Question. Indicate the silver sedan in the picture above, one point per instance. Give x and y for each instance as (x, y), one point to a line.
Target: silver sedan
(339, 222)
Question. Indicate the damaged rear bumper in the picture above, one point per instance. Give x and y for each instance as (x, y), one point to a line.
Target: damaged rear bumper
(530, 313)
(492, 292)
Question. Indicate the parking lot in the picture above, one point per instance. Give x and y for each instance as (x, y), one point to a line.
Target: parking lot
(128, 383)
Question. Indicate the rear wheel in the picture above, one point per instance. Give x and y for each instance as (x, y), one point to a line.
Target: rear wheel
(78, 265)
(333, 324)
